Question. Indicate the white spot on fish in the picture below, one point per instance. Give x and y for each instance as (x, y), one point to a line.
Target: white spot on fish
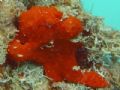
(76, 68)
(18, 41)
(20, 55)
(14, 47)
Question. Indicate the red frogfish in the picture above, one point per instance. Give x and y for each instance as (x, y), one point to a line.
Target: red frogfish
(44, 38)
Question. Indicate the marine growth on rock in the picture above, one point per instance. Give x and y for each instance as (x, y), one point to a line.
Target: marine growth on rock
(44, 38)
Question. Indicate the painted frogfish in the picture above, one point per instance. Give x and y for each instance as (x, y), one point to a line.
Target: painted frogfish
(44, 38)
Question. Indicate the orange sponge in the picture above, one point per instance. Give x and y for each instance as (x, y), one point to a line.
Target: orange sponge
(40, 26)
